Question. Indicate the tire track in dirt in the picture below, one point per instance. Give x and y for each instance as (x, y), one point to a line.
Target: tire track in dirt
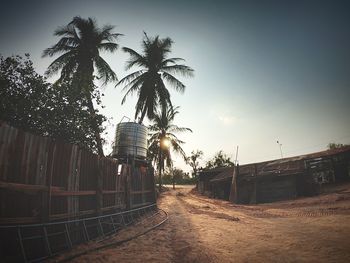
(278, 211)
(193, 209)
(186, 246)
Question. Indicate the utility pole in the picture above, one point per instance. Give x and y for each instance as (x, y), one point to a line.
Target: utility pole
(280, 145)
(236, 161)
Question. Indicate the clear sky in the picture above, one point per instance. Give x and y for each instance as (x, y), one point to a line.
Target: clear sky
(264, 70)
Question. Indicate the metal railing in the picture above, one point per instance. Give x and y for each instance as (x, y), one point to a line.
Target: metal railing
(37, 242)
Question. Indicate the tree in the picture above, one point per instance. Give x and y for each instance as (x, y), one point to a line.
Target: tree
(178, 176)
(163, 139)
(219, 160)
(81, 42)
(192, 160)
(28, 102)
(149, 81)
(21, 92)
(333, 145)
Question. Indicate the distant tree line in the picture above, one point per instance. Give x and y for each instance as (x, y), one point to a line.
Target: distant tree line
(176, 176)
(334, 145)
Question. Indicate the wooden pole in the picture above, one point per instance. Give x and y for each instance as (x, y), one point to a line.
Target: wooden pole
(233, 193)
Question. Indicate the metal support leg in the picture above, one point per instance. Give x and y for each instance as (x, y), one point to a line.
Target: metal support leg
(101, 228)
(138, 213)
(86, 232)
(68, 236)
(21, 244)
(47, 241)
(123, 221)
(132, 218)
(114, 230)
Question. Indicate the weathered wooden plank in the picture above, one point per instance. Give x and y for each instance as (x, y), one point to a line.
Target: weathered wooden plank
(71, 180)
(140, 205)
(26, 188)
(141, 192)
(71, 193)
(112, 207)
(18, 220)
(46, 198)
(112, 192)
(41, 163)
(5, 146)
(67, 215)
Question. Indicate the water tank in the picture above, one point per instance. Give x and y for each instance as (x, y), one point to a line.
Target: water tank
(130, 140)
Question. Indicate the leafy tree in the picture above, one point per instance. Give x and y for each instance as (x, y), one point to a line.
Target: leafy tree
(192, 160)
(28, 102)
(21, 92)
(163, 139)
(219, 160)
(81, 42)
(148, 81)
(334, 145)
(178, 176)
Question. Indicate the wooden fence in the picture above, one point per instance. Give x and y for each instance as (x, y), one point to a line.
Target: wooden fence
(42, 179)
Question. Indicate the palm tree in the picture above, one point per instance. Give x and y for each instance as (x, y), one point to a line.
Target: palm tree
(163, 139)
(148, 81)
(79, 49)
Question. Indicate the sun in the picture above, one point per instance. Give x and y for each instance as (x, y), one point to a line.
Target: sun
(165, 143)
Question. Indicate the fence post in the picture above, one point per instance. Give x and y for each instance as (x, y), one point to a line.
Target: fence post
(143, 176)
(46, 195)
(151, 183)
(99, 186)
(128, 190)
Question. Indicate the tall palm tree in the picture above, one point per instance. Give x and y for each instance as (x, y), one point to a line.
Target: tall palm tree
(80, 61)
(163, 139)
(154, 68)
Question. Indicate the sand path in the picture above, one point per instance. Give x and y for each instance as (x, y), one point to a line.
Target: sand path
(206, 230)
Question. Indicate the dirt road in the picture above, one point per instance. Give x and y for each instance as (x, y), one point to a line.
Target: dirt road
(200, 229)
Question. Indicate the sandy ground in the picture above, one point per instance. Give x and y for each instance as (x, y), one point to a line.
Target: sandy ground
(200, 229)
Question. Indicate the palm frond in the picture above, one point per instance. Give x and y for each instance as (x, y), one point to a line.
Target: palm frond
(175, 128)
(129, 78)
(63, 45)
(104, 70)
(108, 46)
(133, 88)
(177, 84)
(179, 69)
(135, 58)
(164, 95)
(59, 63)
(171, 60)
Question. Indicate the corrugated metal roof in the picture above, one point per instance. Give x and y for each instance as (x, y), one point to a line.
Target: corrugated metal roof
(209, 172)
(224, 175)
(268, 166)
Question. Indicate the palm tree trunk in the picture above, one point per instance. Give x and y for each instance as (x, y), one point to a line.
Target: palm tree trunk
(87, 86)
(95, 127)
(143, 115)
(160, 170)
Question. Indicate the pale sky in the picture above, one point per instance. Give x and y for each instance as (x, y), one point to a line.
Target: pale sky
(263, 71)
